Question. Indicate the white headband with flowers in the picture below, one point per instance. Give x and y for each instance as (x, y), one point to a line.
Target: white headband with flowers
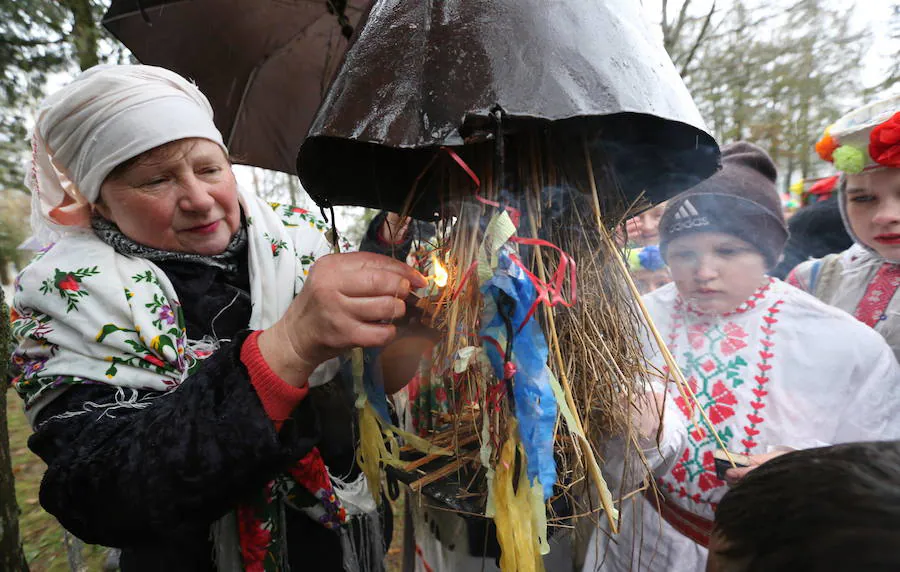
(866, 138)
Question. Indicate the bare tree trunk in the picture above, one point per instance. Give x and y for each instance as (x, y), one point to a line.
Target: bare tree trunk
(12, 557)
(85, 32)
(789, 173)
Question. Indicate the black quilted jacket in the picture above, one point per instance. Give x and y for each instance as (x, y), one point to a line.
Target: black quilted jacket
(152, 480)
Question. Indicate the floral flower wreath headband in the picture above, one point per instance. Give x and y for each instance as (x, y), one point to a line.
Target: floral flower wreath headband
(866, 138)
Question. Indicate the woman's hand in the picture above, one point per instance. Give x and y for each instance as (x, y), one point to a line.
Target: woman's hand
(732, 476)
(348, 300)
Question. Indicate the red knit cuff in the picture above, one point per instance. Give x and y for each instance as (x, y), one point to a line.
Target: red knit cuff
(278, 397)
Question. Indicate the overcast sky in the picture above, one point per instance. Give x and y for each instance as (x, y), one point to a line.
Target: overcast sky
(873, 15)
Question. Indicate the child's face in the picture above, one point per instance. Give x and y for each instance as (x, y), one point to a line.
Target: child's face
(650, 225)
(715, 272)
(643, 229)
(873, 208)
(649, 280)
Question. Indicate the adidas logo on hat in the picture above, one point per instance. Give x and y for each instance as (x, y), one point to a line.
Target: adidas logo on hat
(686, 210)
(687, 217)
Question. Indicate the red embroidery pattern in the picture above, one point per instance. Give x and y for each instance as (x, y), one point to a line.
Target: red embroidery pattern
(746, 306)
(766, 353)
(733, 341)
(715, 396)
(879, 293)
(718, 370)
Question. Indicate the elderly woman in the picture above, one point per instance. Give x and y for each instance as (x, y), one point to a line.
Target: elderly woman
(174, 341)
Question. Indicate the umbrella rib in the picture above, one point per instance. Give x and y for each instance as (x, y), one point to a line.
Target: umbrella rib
(255, 72)
(140, 11)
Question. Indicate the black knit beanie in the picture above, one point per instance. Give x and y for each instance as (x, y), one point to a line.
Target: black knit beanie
(740, 199)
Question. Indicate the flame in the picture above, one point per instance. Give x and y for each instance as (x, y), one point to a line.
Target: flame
(440, 273)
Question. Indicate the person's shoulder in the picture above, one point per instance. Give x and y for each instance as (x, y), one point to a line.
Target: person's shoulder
(820, 319)
(310, 232)
(803, 303)
(661, 299)
(81, 250)
(293, 216)
(804, 274)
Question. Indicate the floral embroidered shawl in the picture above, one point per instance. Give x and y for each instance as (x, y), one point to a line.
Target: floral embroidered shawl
(83, 313)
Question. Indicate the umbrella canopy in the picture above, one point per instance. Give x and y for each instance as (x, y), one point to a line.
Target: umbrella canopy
(263, 64)
(426, 74)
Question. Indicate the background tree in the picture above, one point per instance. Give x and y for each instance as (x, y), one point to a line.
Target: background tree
(14, 229)
(32, 46)
(893, 71)
(37, 39)
(774, 72)
(12, 557)
(684, 33)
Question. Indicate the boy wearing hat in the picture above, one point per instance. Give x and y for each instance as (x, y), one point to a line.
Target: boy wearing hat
(742, 340)
(864, 146)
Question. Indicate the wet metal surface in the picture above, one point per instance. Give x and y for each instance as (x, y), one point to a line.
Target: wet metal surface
(422, 74)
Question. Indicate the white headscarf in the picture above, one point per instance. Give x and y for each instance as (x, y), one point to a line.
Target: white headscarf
(106, 116)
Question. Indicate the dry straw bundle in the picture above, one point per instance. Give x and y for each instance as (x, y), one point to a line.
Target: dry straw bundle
(551, 203)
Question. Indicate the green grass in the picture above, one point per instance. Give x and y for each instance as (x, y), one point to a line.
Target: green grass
(43, 536)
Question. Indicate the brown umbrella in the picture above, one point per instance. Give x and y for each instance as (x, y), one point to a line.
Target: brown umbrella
(421, 75)
(264, 64)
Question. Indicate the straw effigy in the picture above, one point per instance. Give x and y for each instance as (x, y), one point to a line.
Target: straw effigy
(529, 169)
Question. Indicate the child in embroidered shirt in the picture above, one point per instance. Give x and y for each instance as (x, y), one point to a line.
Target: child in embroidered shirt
(742, 340)
(863, 280)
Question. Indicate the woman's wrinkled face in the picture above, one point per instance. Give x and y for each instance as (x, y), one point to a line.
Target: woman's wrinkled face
(873, 209)
(181, 197)
(715, 272)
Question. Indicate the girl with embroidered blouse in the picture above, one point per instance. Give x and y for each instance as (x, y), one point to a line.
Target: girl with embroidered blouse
(742, 340)
(864, 146)
(175, 339)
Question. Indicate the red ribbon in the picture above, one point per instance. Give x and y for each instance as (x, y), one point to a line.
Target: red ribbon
(514, 213)
(465, 278)
(550, 293)
(496, 391)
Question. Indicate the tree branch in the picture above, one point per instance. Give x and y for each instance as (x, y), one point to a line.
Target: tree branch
(679, 24)
(693, 51)
(664, 21)
(22, 43)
